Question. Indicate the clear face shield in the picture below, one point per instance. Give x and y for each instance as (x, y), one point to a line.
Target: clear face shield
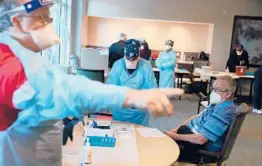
(45, 36)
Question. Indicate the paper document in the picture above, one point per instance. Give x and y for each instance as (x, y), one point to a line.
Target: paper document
(149, 132)
(123, 127)
(123, 134)
(123, 130)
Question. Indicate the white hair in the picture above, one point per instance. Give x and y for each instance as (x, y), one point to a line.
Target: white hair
(230, 83)
(5, 19)
(122, 36)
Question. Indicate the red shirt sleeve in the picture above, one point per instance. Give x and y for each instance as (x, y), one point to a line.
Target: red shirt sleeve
(12, 76)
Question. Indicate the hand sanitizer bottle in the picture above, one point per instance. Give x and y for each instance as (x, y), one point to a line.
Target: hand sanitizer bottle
(87, 152)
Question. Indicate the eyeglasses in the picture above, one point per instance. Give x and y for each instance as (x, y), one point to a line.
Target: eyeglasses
(42, 19)
(219, 90)
(132, 59)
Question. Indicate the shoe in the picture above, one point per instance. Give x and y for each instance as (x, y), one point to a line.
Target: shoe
(257, 111)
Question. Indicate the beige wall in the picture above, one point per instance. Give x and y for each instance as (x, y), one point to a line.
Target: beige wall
(187, 37)
(85, 31)
(217, 12)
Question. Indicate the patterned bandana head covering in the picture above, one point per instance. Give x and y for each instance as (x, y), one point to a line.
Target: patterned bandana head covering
(132, 48)
(169, 42)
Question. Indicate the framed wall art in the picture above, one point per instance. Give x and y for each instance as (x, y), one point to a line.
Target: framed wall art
(247, 31)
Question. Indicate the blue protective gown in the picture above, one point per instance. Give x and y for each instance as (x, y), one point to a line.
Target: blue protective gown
(166, 62)
(48, 96)
(142, 78)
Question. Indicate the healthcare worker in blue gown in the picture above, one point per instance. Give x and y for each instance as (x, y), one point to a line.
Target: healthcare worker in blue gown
(132, 72)
(166, 63)
(35, 95)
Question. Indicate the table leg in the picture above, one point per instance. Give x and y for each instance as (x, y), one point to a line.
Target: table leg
(178, 81)
(211, 84)
(191, 85)
(181, 81)
(180, 77)
(251, 90)
(236, 89)
(204, 87)
(240, 88)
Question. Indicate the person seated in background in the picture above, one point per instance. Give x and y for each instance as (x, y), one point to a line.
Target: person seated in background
(203, 56)
(132, 72)
(207, 130)
(166, 62)
(258, 91)
(116, 50)
(145, 52)
(238, 57)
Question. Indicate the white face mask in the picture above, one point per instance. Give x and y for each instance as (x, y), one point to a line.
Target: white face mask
(214, 98)
(44, 37)
(131, 64)
(239, 53)
(142, 47)
(167, 47)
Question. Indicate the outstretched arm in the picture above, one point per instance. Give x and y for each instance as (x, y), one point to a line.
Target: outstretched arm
(57, 95)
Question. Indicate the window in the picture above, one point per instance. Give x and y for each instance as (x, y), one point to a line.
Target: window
(59, 54)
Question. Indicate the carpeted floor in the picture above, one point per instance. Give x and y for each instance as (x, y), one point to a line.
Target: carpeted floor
(248, 148)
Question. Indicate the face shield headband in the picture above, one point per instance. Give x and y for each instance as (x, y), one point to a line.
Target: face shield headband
(30, 6)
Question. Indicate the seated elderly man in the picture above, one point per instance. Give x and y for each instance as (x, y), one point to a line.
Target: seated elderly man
(207, 130)
(132, 72)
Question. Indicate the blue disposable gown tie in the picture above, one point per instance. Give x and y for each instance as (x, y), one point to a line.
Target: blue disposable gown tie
(48, 96)
(142, 78)
(166, 62)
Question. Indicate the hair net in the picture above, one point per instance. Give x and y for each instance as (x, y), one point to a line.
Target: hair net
(169, 42)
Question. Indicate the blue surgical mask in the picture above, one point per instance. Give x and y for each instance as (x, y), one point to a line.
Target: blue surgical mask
(214, 97)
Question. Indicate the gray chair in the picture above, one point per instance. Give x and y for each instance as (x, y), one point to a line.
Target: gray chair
(96, 75)
(230, 139)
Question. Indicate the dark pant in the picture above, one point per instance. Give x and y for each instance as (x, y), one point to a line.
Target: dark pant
(257, 99)
(188, 151)
(258, 89)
